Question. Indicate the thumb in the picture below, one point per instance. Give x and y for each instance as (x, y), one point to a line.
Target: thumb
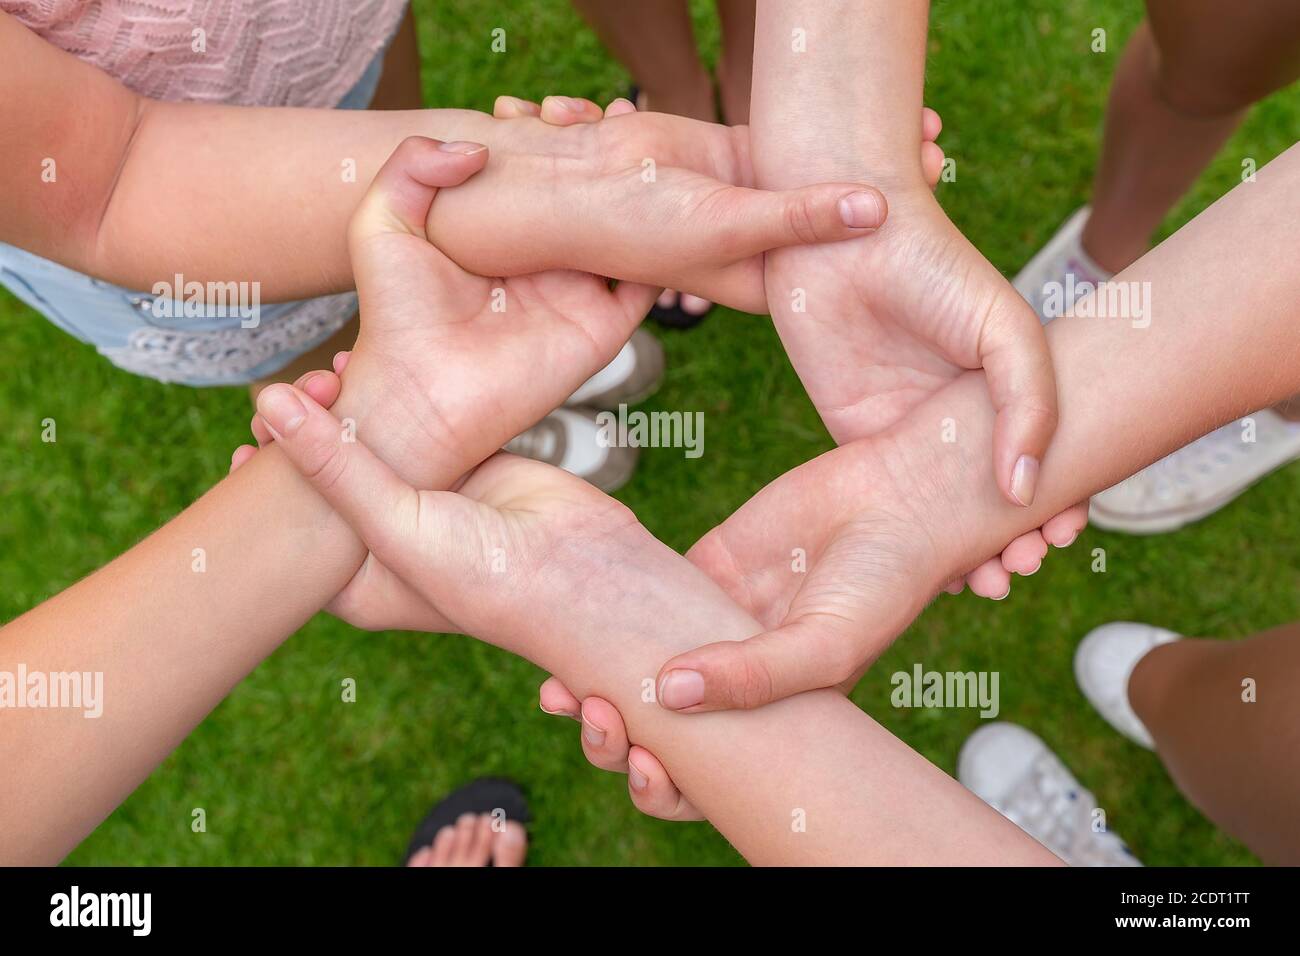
(1022, 384)
(401, 194)
(367, 494)
(810, 652)
(763, 219)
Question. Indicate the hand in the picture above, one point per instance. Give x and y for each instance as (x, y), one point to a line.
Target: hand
(925, 306)
(642, 196)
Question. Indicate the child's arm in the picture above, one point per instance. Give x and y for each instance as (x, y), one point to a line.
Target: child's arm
(134, 190)
(1209, 333)
(177, 621)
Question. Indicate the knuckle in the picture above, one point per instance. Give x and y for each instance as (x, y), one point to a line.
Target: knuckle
(754, 687)
(800, 222)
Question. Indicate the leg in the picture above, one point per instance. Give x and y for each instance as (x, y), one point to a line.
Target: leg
(736, 63)
(1185, 81)
(654, 40)
(1238, 762)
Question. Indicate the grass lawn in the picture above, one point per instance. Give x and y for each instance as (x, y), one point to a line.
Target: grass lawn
(288, 774)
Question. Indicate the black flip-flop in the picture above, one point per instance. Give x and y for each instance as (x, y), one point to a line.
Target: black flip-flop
(485, 795)
(673, 317)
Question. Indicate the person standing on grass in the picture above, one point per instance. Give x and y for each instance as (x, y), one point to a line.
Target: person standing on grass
(1190, 73)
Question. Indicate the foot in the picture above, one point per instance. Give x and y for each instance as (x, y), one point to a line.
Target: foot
(1198, 480)
(474, 841)
(1103, 664)
(1061, 266)
(633, 376)
(571, 438)
(1016, 773)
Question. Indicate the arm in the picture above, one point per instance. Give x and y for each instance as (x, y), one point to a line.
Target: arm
(838, 86)
(145, 189)
(1215, 338)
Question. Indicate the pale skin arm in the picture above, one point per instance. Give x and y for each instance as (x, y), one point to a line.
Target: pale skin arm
(134, 191)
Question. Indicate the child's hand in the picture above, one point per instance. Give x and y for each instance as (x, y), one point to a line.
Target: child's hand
(642, 196)
(449, 366)
(511, 557)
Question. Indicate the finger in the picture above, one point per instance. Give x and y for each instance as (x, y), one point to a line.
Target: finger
(555, 699)
(931, 124)
(955, 586)
(619, 107)
(931, 164)
(636, 298)
(1061, 530)
(322, 386)
(990, 580)
(653, 791)
(512, 107)
(402, 192)
(420, 857)
(758, 219)
(1025, 554)
(361, 488)
(569, 110)
(604, 736)
(1022, 384)
(258, 427)
(810, 652)
(341, 361)
(241, 455)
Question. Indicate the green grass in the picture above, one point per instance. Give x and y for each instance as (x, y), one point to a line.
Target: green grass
(289, 775)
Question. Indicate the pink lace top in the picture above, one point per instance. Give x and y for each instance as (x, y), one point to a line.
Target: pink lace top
(250, 52)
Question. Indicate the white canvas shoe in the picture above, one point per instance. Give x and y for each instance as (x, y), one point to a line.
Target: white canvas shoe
(1063, 256)
(1016, 773)
(570, 438)
(1103, 663)
(633, 376)
(1197, 480)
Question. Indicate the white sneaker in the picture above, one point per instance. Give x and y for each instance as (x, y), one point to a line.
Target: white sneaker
(633, 376)
(1063, 256)
(1199, 479)
(1013, 771)
(1103, 663)
(569, 438)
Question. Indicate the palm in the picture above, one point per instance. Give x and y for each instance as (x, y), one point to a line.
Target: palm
(890, 318)
(547, 332)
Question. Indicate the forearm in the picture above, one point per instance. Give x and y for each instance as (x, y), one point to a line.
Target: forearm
(227, 193)
(1223, 340)
(811, 780)
(172, 626)
(837, 91)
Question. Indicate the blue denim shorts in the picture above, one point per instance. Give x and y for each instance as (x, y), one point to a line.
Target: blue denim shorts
(198, 345)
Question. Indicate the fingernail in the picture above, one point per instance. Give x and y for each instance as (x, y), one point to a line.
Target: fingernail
(462, 147)
(1005, 594)
(1074, 537)
(513, 834)
(861, 210)
(557, 713)
(680, 689)
(591, 733)
(280, 409)
(567, 103)
(1025, 574)
(1024, 480)
(638, 779)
